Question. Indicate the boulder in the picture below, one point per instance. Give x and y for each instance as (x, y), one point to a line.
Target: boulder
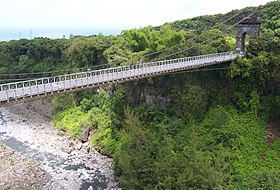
(86, 144)
(85, 134)
(67, 150)
(78, 146)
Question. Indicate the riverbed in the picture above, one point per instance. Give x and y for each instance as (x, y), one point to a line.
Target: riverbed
(71, 164)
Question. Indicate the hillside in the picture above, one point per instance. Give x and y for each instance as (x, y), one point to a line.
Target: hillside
(215, 129)
(269, 19)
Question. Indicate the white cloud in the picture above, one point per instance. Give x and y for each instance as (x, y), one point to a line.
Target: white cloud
(108, 13)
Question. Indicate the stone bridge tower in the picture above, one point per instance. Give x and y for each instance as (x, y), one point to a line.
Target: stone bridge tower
(250, 26)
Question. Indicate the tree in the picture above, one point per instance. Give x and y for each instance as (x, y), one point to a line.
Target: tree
(191, 101)
(134, 162)
(86, 51)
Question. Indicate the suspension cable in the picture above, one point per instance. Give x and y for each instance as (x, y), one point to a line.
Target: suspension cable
(183, 43)
(166, 56)
(102, 65)
(51, 72)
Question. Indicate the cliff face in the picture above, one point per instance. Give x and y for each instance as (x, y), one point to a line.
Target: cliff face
(42, 107)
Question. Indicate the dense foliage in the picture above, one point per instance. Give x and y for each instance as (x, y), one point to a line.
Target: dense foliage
(214, 129)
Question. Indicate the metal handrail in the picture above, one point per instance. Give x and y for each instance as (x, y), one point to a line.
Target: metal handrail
(17, 90)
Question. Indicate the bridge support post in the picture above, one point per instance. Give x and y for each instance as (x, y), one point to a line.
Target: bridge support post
(250, 26)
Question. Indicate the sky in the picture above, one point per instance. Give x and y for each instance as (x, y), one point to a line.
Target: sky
(55, 18)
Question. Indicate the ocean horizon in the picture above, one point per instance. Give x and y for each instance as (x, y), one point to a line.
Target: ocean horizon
(16, 34)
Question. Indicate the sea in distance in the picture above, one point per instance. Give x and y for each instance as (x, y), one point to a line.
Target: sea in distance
(16, 34)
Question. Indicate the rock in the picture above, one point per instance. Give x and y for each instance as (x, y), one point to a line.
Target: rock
(86, 144)
(67, 150)
(74, 152)
(86, 150)
(58, 153)
(78, 146)
(18, 171)
(92, 132)
(85, 134)
(71, 144)
(22, 174)
(60, 133)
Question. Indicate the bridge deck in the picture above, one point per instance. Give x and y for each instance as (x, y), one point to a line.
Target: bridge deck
(43, 86)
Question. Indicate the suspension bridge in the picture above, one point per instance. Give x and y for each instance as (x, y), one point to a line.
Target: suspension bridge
(41, 87)
(55, 84)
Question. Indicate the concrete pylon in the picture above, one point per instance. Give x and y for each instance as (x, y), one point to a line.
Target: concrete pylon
(250, 26)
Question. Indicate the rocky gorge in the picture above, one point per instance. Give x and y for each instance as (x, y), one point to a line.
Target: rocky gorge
(32, 143)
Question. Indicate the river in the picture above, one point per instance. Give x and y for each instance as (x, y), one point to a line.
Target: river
(71, 164)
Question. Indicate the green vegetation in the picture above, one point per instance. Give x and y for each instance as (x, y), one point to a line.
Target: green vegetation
(11, 162)
(1, 145)
(200, 130)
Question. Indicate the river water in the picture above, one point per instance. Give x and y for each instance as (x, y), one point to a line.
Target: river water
(71, 164)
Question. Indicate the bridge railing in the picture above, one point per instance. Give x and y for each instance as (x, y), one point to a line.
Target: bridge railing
(58, 83)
